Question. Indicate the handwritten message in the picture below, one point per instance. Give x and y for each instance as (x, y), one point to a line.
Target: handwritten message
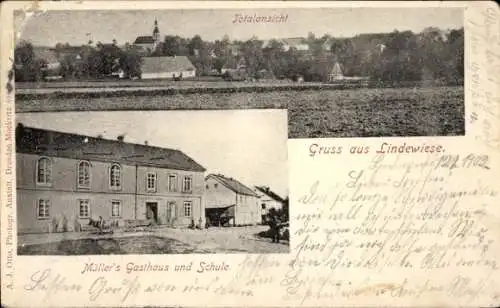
(484, 75)
(389, 218)
(102, 286)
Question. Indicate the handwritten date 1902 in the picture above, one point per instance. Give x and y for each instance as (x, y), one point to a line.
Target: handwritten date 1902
(469, 161)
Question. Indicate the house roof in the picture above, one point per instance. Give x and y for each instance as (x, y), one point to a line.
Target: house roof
(209, 205)
(166, 64)
(76, 52)
(144, 40)
(46, 54)
(270, 193)
(293, 41)
(233, 184)
(51, 143)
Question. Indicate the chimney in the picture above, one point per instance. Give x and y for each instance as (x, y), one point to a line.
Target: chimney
(19, 133)
(121, 138)
(146, 142)
(19, 129)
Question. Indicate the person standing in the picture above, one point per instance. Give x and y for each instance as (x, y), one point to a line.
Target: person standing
(274, 225)
(101, 224)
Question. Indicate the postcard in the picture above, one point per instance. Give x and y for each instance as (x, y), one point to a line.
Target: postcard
(250, 154)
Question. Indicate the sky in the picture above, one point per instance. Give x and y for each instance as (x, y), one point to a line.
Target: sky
(51, 27)
(248, 145)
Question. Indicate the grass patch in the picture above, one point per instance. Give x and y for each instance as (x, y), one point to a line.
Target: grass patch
(109, 245)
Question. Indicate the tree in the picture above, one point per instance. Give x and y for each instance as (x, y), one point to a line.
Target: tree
(252, 53)
(131, 63)
(27, 66)
(104, 60)
(455, 56)
(273, 55)
(195, 45)
(171, 46)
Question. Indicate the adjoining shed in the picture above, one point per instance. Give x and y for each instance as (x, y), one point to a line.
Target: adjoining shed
(229, 202)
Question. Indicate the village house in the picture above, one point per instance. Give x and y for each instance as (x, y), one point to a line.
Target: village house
(167, 68)
(229, 202)
(48, 56)
(268, 199)
(64, 179)
(297, 43)
(50, 63)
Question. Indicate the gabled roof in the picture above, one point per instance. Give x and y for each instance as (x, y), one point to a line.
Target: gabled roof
(75, 52)
(209, 205)
(233, 184)
(46, 54)
(293, 41)
(144, 40)
(59, 144)
(270, 193)
(166, 64)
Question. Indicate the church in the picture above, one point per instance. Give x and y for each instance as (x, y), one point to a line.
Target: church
(149, 44)
(155, 66)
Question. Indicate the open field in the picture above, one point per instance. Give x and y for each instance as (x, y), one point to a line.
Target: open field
(121, 83)
(432, 111)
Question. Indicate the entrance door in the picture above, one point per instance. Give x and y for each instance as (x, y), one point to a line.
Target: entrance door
(171, 213)
(152, 211)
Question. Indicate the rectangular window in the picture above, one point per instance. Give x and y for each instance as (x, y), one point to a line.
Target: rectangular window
(151, 181)
(116, 208)
(172, 182)
(187, 184)
(115, 177)
(44, 171)
(84, 174)
(84, 208)
(43, 209)
(187, 208)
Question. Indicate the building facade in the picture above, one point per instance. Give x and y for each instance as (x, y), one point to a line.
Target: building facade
(64, 180)
(229, 202)
(167, 68)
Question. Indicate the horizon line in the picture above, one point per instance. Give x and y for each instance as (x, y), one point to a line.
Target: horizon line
(231, 40)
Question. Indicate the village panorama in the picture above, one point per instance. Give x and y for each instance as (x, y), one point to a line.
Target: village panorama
(399, 73)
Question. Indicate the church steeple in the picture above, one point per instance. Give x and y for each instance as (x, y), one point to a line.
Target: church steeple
(156, 32)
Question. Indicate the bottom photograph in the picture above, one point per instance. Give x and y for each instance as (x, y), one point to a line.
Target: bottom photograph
(152, 182)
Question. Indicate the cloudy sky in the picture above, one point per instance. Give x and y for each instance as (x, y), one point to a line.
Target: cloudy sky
(249, 145)
(75, 27)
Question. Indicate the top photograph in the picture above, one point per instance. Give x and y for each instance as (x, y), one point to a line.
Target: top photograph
(340, 72)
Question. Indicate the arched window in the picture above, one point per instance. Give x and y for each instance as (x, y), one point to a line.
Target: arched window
(84, 174)
(44, 171)
(115, 176)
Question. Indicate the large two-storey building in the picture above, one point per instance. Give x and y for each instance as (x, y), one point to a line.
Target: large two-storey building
(64, 179)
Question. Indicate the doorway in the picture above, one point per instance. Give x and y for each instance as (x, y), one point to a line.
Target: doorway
(171, 213)
(152, 211)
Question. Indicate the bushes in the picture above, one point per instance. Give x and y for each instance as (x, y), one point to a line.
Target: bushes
(284, 234)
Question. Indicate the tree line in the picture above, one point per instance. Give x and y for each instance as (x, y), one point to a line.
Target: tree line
(430, 56)
(77, 62)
